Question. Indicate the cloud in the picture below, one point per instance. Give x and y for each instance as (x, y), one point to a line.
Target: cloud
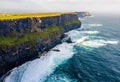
(59, 5)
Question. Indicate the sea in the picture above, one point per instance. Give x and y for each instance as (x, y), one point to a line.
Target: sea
(94, 55)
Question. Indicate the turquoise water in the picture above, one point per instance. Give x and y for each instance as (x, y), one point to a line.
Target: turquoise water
(94, 57)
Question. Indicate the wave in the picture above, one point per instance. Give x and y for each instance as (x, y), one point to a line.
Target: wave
(95, 25)
(98, 43)
(74, 35)
(91, 25)
(38, 70)
(92, 43)
(81, 40)
(90, 32)
(112, 42)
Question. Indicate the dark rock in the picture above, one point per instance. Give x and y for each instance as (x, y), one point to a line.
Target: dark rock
(56, 50)
(69, 40)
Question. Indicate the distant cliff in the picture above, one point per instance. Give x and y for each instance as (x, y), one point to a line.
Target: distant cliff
(24, 39)
(83, 14)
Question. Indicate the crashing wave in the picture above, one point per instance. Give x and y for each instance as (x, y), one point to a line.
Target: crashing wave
(81, 40)
(38, 70)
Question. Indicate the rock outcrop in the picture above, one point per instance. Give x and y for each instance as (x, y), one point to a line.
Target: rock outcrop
(22, 40)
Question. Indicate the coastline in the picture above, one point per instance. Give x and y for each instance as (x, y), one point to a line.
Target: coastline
(3, 78)
(52, 41)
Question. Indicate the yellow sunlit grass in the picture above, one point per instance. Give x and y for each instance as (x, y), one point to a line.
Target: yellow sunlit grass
(27, 15)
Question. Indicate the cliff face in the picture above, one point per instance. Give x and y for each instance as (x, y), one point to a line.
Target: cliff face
(24, 39)
(33, 24)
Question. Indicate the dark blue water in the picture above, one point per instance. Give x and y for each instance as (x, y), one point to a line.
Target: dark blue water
(94, 57)
(94, 63)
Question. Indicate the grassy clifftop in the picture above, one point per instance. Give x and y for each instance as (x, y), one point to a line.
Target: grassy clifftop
(26, 36)
(20, 16)
(28, 15)
(14, 32)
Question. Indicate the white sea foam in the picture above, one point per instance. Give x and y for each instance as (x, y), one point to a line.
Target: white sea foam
(81, 40)
(95, 25)
(80, 36)
(112, 42)
(92, 43)
(39, 69)
(98, 43)
(90, 32)
(74, 35)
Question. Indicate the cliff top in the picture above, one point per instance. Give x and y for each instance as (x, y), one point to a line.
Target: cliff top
(28, 15)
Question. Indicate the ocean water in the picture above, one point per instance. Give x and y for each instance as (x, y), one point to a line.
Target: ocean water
(93, 57)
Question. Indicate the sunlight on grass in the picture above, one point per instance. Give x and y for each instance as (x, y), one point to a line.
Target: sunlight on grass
(26, 15)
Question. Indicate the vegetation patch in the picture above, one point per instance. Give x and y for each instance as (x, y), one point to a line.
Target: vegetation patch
(71, 22)
(12, 41)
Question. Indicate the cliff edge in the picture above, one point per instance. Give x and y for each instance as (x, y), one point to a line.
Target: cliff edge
(24, 39)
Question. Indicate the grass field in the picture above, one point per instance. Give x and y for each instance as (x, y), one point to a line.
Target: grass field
(27, 15)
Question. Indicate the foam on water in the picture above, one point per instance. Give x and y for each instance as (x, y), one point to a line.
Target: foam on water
(98, 43)
(95, 25)
(17, 73)
(80, 36)
(74, 35)
(84, 26)
(81, 40)
(39, 69)
(90, 32)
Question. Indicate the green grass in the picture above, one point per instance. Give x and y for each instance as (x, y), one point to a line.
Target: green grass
(13, 41)
(75, 21)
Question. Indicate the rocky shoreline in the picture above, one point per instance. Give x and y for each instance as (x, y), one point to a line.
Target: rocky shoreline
(68, 40)
(14, 55)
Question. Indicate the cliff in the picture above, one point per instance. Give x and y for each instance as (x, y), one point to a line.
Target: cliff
(83, 14)
(24, 39)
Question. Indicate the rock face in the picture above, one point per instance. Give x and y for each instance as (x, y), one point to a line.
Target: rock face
(69, 40)
(34, 24)
(13, 56)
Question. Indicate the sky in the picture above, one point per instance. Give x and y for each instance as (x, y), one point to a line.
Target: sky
(99, 6)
